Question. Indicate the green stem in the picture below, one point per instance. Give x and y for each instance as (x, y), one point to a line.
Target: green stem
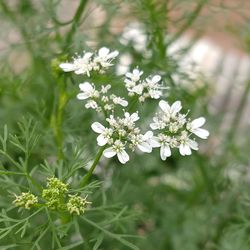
(75, 23)
(85, 179)
(189, 21)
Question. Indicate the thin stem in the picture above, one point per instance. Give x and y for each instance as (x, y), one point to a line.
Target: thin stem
(189, 21)
(85, 179)
(75, 23)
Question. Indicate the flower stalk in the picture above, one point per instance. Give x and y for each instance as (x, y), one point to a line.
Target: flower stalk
(86, 178)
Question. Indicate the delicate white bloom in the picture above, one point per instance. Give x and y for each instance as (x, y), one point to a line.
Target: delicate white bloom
(105, 88)
(144, 89)
(194, 127)
(89, 62)
(120, 101)
(135, 75)
(175, 130)
(118, 148)
(105, 133)
(186, 146)
(91, 104)
(172, 110)
(105, 57)
(88, 91)
(80, 65)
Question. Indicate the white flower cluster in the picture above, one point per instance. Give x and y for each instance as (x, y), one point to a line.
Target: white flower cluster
(82, 65)
(99, 100)
(175, 130)
(122, 133)
(148, 88)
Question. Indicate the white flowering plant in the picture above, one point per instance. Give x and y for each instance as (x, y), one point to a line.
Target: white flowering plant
(104, 132)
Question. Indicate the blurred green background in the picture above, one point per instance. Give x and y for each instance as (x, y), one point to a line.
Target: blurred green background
(191, 203)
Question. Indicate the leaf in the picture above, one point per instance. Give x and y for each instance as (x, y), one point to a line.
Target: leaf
(72, 245)
(98, 242)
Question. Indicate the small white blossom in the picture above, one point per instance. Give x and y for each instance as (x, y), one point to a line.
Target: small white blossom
(118, 148)
(120, 101)
(105, 57)
(194, 127)
(150, 88)
(80, 65)
(88, 91)
(176, 130)
(105, 133)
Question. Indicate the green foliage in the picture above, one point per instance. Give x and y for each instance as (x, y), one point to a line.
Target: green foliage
(198, 202)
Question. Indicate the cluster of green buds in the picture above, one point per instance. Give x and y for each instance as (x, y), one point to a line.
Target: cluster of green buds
(54, 194)
(77, 204)
(55, 198)
(26, 200)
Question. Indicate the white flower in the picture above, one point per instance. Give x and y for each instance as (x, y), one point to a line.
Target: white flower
(157, 123)
(118, 148)
(120, 101)
(172, 110)
(105, 89)
(80, 65)
(91, 104)
(129, 120)
(105, 133)
(88, 91)
(155, 93)
(135, 75)
(105, 57)
(187, 145)
(153, 82)
(194, 127)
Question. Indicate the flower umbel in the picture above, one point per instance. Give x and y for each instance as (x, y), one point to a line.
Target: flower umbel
(54, 194)
(82, 65)
(25, 200)
(122, 133)
(148, 88)
(77, 204)
(176, 130)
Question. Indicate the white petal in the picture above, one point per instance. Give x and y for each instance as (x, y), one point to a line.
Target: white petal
(193, 144)
(185, 149)
(202, 133)
(134, 117)
(164, 106)
(176, 107)
(123, 157)
(87, 55)
(156, 78)
(149, 134)
(197, 123)
(86, 87)
(97, 127)
(103, 51)
(182, 150)
(67, 67)
(113, 54)
(123, 103)
(154, 142)
(154, 126)
(163, 156)
(109, 152)
(83, 96)
(145, 147)
(101, 140)
(80, 71)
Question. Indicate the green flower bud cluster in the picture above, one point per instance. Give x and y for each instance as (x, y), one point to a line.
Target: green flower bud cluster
(55, 197)
(25, 200)
(77, 204)
(54, 194)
